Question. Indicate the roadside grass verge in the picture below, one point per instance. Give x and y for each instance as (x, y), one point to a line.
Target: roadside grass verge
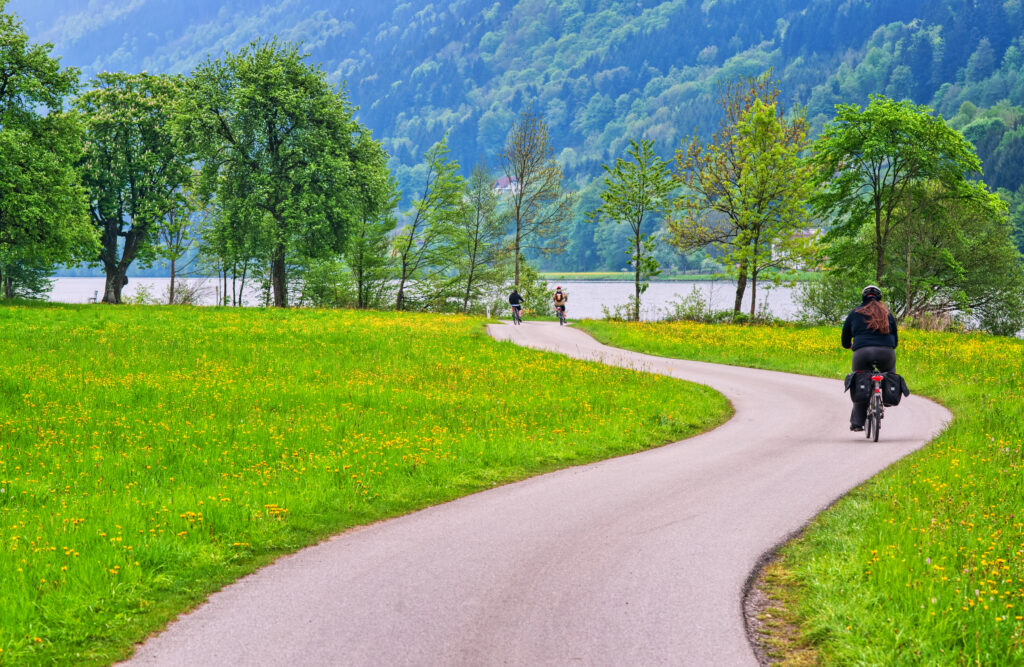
(149, 455)
(923, 564)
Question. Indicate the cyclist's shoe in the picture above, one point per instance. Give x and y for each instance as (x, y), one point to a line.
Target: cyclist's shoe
(856, 428)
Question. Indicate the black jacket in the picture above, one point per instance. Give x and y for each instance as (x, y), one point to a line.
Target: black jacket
(857, 334)
(515, 299)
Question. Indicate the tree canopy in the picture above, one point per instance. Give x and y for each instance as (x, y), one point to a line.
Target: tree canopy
(637, 191)
(43, 217)
(132, 167)
(279, 146)
(539, 206)
(743, 192)
(867, 162)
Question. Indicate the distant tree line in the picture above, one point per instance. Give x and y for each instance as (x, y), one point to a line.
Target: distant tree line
(257, 163)
(603, 73)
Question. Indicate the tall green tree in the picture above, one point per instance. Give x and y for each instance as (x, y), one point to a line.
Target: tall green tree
(423, 245)
(948, 257)
(478, 239)
(43, 215)
(132, 167)
(539, 206)
(637, 191)
(712, 175)
(368, 252)
(177, 233)
(773, 192)
(278, 146)
(867, 162)
(23, 278)
(233, 240)
(957, 255)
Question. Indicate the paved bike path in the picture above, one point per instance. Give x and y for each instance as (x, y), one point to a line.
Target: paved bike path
(639, 560)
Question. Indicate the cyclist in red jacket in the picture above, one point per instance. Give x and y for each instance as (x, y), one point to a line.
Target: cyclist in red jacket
(559, 298)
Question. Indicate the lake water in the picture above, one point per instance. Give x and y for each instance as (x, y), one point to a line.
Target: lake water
(586, 298)
(84, 290)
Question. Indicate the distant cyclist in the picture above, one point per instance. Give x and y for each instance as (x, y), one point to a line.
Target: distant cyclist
(516, 302)
(559, 298)
(870, 331)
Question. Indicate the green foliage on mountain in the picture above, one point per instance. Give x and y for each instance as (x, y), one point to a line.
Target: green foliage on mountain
(602, 72)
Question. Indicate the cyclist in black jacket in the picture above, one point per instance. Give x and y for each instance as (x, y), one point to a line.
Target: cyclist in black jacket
(516, 301)
(870, 331)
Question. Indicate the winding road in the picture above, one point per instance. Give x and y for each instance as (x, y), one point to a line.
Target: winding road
(638, 560)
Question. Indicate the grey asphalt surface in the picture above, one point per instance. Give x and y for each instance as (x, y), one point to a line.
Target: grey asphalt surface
(639, 560)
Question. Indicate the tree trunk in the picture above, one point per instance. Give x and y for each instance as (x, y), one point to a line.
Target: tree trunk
(516, 249)
(406, 272)
(741, 287)
(906, 300)
(400, 298)
(879, 242)
(241, 285)
(116, 280)
(753, 295)
(359, 269)
(8, 286)
(170, 296)
(636, 281)
(278, 277)
(469, 287)
(472, 270)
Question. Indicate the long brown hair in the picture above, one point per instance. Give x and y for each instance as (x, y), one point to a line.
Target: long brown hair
(876, 314)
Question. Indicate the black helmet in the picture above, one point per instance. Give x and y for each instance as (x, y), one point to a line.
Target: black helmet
(871, 292)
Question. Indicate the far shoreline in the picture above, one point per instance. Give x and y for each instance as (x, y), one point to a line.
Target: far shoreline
(624, 277)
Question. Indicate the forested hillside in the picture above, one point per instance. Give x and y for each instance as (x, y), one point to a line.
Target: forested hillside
(601, 71)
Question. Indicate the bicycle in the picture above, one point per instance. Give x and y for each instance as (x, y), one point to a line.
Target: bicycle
(517, 318)
(876, 408)
(561, 314)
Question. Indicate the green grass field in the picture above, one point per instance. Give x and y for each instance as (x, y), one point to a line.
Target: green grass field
(923, 565)
(149, 455)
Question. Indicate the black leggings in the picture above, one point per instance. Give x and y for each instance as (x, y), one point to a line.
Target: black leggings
(864, 359)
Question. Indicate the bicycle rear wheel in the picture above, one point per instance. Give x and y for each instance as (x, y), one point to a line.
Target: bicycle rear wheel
(876, 410)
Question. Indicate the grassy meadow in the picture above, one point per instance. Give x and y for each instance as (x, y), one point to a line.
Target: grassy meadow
(924, 564)
(149, 455)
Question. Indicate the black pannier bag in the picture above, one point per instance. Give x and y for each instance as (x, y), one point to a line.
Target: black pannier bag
(858, 383)
(894, 388)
